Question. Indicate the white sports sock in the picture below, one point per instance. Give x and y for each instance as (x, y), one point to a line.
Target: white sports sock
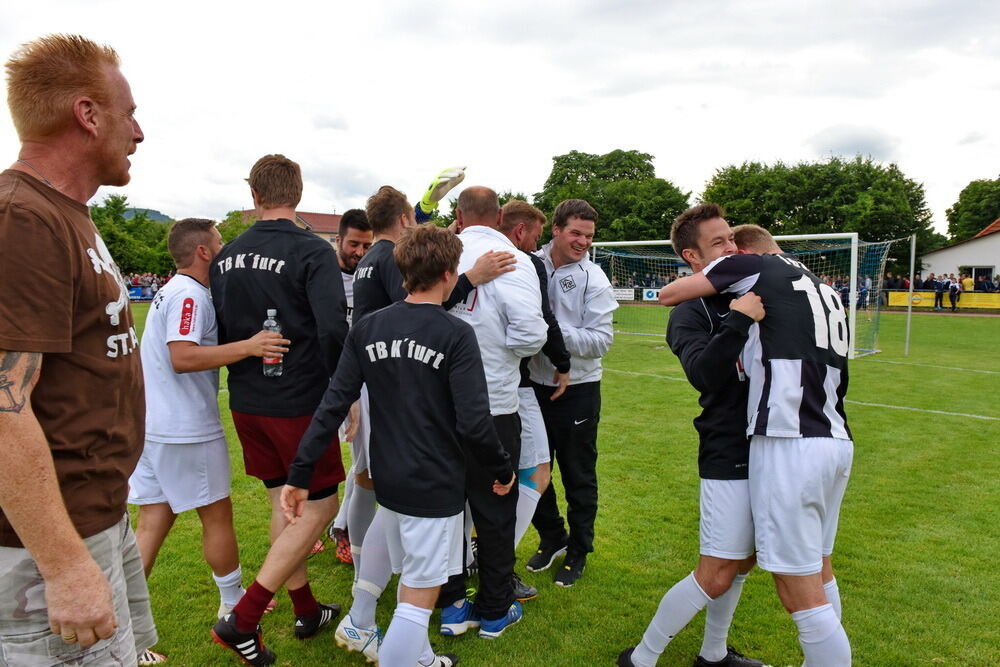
(341, 520)
(678, 606)
(718, 618)
(833, 596)
(406, 637)
(527, 501)
(374, 575)
(230, 587)
(360, 514)
(822, 637)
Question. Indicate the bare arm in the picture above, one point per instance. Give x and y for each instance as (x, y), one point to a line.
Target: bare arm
(685, 289)
(187, 356)
(76, 592)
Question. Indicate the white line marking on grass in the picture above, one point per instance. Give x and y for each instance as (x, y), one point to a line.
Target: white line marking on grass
(947, 368)
(935, 412)
(648, 375)
(871, 405)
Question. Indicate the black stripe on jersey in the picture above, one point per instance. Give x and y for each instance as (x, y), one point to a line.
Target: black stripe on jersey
(812, 421)
(763, 411)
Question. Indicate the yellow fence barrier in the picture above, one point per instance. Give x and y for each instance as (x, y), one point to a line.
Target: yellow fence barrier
(967, 300)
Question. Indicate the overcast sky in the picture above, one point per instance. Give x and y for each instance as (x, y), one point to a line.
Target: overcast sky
(362, 94)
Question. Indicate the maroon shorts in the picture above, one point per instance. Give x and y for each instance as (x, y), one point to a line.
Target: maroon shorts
(269, 447)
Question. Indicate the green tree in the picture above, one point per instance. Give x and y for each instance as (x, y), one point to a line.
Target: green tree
(234, 224)
(633, 204)
(877, 201)
(137, 244)
(978, 205)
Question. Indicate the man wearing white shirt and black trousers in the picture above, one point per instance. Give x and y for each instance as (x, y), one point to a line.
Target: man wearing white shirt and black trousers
(581, 298)
(507, 317)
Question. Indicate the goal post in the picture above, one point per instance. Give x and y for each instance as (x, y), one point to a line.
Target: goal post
(638, 269)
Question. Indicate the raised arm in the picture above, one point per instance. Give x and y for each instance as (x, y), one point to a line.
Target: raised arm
(77, 593)
(685, 289)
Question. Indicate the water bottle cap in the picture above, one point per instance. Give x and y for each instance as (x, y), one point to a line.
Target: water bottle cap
(271, 312)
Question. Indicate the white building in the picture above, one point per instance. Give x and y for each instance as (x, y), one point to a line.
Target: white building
(977, 256)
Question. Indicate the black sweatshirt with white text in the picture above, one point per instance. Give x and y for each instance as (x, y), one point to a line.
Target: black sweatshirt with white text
(276, 264)
(429, 409)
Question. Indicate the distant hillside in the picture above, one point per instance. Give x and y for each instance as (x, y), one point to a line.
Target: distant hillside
(152, 214)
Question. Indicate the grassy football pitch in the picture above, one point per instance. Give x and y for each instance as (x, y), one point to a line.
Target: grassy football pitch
(914, 558)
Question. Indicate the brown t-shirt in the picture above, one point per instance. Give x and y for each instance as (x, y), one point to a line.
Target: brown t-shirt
(61, 294)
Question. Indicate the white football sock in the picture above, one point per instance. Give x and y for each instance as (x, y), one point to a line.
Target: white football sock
(833, 596)
(374, 575)
(718, 618)
(359, 516)
(822, 637)
(341, 520)
(678, 606)
(230, 587)
(406, 637)
(527, 501)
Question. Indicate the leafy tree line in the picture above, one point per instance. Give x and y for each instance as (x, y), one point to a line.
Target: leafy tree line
(877, 201)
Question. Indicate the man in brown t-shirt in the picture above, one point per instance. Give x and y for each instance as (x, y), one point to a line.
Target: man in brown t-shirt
(71, 392)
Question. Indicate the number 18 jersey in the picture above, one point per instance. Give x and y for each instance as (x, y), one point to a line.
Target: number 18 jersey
(796, 356)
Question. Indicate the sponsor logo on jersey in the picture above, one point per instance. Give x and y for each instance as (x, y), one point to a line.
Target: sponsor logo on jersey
(187, 317)
(567, 283)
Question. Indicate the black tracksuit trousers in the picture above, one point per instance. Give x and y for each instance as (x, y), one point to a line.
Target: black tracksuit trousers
(494, 517)
(571, 425)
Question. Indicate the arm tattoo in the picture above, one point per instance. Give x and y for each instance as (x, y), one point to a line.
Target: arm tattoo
(10, 364)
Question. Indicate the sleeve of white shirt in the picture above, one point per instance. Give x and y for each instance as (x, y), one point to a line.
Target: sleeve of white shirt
(522, 303)
(592, 339)
(185, 317)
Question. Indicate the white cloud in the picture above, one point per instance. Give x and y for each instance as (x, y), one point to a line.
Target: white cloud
(391, 91)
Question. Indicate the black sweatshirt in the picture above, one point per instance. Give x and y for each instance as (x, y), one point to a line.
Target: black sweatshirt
(429, 409)
(378, 282)
(275, 264)
(555, 346)
(707, 337)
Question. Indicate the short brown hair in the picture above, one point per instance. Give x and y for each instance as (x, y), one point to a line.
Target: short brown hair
(424, 253)
(517, 211)
(573, 208)
(384, 208)
(46, 75)
(184, 238)
(479, 203)
(684, 232)
(754, 238)
(277, 181)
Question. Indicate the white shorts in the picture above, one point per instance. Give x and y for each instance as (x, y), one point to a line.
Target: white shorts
(726, 524)
(359, 446)
(423, 550)
(534, 441)
(185, 476)
(796, 487)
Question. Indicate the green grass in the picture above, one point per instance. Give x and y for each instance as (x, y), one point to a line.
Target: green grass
(918, 529)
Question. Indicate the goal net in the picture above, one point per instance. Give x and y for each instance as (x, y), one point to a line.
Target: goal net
(638, 269)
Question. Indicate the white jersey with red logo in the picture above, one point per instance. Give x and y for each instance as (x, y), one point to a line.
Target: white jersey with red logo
(180, 407)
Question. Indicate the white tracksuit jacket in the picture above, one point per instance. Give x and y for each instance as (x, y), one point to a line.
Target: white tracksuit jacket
(506, 314)
(581, 298)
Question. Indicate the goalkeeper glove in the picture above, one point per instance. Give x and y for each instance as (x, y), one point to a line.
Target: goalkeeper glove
(439, 187)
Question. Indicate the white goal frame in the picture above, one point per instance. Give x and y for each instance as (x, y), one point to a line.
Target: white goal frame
(852, 236)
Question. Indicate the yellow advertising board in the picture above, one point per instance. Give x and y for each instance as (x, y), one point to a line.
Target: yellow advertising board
(989, 300)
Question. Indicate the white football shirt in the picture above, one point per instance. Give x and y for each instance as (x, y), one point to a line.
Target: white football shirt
(180, 407)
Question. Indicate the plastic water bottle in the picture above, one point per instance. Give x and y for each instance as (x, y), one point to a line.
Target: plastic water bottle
(272, 365)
